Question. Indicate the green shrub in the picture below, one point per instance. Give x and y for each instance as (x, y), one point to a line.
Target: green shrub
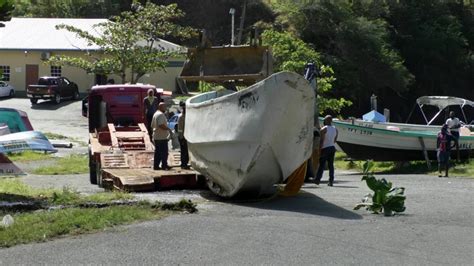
(385, 197)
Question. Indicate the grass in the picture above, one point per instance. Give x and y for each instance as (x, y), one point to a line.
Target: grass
(466, 170)
(27, 156)
(12, 189)
(13, 186)
(51, 135)
(56, 136)
(80, 142)
(42, 223)
(70, 197)
(73, 164)
(413, 167)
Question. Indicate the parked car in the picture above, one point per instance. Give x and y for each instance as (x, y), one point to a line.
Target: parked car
(52, 88)
(6, 90)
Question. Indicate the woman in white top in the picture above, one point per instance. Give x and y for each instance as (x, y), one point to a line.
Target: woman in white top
(328, 150)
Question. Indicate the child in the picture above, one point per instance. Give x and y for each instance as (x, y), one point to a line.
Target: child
(443, 146)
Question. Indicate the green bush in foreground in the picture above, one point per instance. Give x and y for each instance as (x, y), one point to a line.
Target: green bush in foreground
(385, 198)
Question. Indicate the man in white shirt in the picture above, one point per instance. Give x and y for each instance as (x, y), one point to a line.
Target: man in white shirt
(454, 125)
(328, 150)
(161, 133)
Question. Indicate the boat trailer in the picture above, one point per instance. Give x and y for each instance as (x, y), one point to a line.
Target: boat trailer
(124, 157)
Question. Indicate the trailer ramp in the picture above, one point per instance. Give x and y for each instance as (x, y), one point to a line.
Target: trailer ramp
(132, 172)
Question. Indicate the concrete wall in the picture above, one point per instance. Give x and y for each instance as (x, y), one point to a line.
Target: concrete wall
(165, 79)
(17, 60)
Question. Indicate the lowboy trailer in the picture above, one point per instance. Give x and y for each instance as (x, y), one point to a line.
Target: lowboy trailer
(120, 150)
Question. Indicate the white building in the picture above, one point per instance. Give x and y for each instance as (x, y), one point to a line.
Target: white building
(26, 44)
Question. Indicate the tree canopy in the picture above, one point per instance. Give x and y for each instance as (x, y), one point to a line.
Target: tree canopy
(70, 8)
(130, 43)
(6, 8)
(292, 54)
(396, 49)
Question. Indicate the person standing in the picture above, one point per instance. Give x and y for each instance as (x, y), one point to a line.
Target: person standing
(443, 148)
(150, 105)
(161, 133)
(454, 125)
(183, 144)
(328, 150)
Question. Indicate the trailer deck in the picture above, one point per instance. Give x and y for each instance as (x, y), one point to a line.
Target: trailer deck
(147, 179)
(121, 158)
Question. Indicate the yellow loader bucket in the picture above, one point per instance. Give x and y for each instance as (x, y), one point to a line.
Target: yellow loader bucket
(244, 65)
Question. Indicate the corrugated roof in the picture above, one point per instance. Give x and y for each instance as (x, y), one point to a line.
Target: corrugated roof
(41, 34)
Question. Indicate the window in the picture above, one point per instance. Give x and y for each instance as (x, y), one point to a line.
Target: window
(55, 71)
(5, 73)
(47, 81)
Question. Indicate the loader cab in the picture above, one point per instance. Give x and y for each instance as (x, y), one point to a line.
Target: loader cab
(121, 105)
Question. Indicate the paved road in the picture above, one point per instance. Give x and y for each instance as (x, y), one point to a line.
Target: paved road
(316, 227)
(64, 118)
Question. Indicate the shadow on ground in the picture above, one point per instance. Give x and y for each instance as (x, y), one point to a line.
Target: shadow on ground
(19, 203)
(304, 202)
(50, 105)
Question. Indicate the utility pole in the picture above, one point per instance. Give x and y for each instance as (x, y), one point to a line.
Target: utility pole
(232, 13)
(242, 21)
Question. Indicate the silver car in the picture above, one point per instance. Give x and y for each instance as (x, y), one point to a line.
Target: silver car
(6, 89)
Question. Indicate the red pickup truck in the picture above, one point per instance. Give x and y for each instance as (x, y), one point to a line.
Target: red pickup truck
(52, 88)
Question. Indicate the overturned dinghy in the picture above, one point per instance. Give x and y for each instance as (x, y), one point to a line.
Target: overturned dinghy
(247, 141)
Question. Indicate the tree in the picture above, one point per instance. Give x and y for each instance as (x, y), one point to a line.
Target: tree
(213, 16)
(70, 8)
(292, 54)
(357, 46)
(436, 39)
(6, 8)
(130, 43)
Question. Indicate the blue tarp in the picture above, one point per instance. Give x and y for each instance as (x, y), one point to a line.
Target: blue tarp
(374, 116)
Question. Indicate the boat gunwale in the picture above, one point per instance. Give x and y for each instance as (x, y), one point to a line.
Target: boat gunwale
(427, 134)
(230, 95)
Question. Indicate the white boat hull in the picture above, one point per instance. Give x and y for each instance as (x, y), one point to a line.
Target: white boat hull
(465, 131)
(360, 142)
(247, 141)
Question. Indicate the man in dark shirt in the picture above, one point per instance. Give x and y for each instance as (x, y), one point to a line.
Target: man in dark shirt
(182, 140)
(150, 105)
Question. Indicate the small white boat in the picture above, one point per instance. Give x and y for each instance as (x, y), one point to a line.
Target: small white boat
(362, 143)
(26, 140)
(247, 141)
(441, 102)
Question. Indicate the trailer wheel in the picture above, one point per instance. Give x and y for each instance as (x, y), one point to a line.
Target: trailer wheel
(99, 175)
(92, 170)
